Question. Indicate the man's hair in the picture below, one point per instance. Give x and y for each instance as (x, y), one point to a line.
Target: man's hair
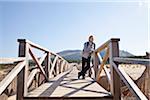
(91, 36)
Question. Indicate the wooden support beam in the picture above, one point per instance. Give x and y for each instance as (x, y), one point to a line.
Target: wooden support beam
(63, 66)
(53, 65)
(31, 76)
(103, 63)
(20, 77)
(33, 44)
(35, 71)
(11, 76)
(147, 77)
(106, 44)
(26, 70)
(96, 63)
(129, 83)
(115, 79)
(47, 64)
(38, 64)
(61, 61)
(132, 60)
(107, 74)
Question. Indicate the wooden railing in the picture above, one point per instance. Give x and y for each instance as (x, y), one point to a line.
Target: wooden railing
(116, 73)
(51, 64)
(46, 67)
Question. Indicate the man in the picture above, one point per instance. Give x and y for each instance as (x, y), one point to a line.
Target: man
(88, 49)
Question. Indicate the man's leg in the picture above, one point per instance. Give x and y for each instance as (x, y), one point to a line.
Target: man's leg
(90, 70)
(83, 65)
(83, 62)
(86, 68)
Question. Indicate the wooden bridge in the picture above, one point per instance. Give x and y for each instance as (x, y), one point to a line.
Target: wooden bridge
(52, 77)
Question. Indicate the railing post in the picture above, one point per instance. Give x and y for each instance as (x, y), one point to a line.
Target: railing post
(96, 63)
(147, 74)
(47, 65)
(115, 79)
(23, 75)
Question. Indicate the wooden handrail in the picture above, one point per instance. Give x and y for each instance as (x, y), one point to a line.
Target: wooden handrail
(25, 48)
(103, 63)
(132, 60)
(38, 64)
(117, 72)
(11, 60)
(106, 44)
(31, 76)
(39, 47)
(33, 45)
(107, 74)
(129, 83)
(21, 70)
(10, 77)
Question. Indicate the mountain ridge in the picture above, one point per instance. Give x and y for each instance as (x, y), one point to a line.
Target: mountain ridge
(75, 55)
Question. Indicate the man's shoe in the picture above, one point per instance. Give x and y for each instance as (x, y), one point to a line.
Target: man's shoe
(83, 77)
(79, 74)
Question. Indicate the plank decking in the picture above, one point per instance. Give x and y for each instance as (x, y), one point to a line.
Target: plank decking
(68, 86)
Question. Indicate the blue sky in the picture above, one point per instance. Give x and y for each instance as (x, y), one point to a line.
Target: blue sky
(62, 25)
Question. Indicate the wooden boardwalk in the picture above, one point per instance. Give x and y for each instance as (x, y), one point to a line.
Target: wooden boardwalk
(55, 78)
(70, 86)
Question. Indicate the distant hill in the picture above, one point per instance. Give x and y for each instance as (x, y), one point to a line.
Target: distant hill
(71, 55)
(75, 55)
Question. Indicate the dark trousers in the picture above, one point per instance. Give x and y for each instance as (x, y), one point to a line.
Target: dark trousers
(87, 67)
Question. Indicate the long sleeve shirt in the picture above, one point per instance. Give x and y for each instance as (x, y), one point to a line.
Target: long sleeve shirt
(88, 48)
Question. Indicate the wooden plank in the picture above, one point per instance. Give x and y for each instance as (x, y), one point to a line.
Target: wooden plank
(31, 76)
(53, 83)
(62, 65)
(115, 79)
(129, 83)
(10, 77)
(102, 47)
(66, 66)
(33, 44)
(132, 60)
(69, 98)
(20, 77)
(147, 77)
(11, 60)
(26, 69)
(106, 44)
(38, 64)
(70, 87)
(96, 63)
(47, 64)
(56, 66)
(103, 63)
(39, 47)
(53, 65)
(107, 74)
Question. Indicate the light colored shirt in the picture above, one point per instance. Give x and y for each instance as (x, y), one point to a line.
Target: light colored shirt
(88, 48)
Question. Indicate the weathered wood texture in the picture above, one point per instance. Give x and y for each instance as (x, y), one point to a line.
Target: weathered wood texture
(52, 74)
(129, 83)
(115, 79)
(68, 86)
(20, 77)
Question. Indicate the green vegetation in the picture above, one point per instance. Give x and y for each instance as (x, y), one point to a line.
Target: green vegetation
(2, 66)
(73, 61)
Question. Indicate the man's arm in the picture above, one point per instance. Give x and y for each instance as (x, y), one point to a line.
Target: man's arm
(86, 49)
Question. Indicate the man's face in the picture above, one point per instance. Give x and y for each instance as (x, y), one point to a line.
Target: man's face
(91, 39)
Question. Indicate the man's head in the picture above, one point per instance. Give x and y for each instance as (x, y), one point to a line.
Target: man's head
(91, 39)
